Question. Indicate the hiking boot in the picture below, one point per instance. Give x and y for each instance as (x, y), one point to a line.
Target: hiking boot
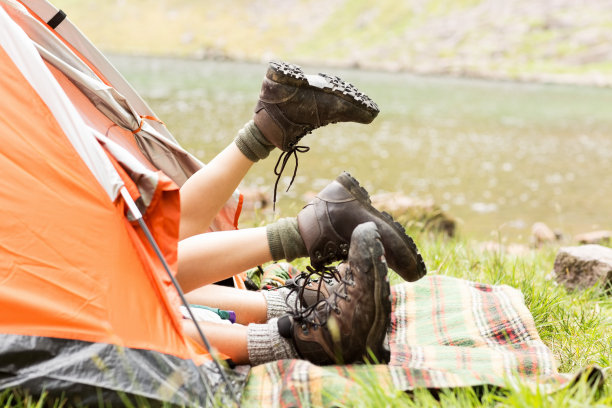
(292, 104)
(326, 224)
(350, 325)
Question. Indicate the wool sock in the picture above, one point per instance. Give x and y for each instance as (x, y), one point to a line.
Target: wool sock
(277, 301)
(265, 344)
(284, 240)
(252, 143)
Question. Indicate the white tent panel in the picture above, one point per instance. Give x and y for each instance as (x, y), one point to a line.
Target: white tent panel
(73, 35)
(22, 51)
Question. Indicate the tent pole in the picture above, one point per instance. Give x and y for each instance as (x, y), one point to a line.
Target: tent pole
(138, 216)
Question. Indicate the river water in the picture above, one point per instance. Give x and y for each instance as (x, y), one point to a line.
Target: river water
(498, 156)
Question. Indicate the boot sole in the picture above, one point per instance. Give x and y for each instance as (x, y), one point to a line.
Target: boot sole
(361, 195)
(291, 74)
(382, 299)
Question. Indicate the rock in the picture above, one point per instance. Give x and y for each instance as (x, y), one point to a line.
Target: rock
(541, 234)
(594, 237)
(583, 266)
(415, 211)
(255, 198)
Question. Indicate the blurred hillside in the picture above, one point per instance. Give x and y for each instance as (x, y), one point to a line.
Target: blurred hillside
(553, 40)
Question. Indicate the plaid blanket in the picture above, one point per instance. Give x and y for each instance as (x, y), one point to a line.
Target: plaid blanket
(445, 332)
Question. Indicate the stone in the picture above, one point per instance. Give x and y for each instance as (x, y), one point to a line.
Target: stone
(255, 198)
(594, 237)
(580, 267)
(541, 234)
(412, 211)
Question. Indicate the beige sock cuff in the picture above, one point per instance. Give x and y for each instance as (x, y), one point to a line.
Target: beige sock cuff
(277, 301)
(265, 344)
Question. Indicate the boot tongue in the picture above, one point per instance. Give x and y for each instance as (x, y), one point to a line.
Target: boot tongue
(312, 292)
(285, 324)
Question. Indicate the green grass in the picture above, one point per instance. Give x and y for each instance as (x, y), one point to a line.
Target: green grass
(581, 395)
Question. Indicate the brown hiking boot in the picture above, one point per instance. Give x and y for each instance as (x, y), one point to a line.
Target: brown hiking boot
(327, 222)
(292, 104)
(352, 321)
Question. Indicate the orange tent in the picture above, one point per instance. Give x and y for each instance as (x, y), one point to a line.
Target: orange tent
(88, 308)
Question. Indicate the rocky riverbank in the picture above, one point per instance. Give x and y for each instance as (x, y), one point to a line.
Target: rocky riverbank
(562, 41)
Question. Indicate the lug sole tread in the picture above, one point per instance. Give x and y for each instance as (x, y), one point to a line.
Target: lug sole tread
(292, 74)
(350, 183)
(382, 296)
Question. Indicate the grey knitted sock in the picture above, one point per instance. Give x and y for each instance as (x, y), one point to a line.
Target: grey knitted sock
(265, 344)
(275, 301)
(285, 240)
(252, 143)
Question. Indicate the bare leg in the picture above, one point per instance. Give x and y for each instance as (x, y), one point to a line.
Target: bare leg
(230, 340)
(205, 193)
(207, 258)
(250, 307)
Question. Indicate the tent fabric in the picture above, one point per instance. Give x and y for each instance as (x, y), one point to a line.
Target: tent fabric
(72, 35)
(158, 146)
(86, 304)
(18, 47)
(55, 216)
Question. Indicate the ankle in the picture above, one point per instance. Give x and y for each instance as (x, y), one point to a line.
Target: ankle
(252, 143)
(284, 240)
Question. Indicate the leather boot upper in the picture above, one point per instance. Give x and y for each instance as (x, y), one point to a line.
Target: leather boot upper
(326, 224)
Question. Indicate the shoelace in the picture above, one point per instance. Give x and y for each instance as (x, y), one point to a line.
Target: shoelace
(284, 158)
(331, 252)
(319, 312)
(300, 282)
